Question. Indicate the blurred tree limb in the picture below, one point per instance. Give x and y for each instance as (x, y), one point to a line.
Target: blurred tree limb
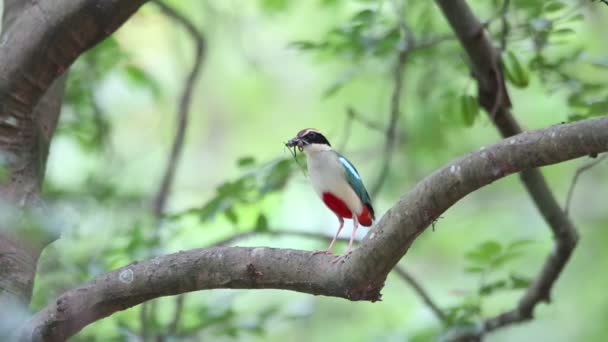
(26, 130)
(405, 47)
(41, 39)
(184, 103)
(360, 277)
(494, 98)
(577, 174)
(182, 116)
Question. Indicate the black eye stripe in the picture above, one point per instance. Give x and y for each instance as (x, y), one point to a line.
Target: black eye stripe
(316, 138)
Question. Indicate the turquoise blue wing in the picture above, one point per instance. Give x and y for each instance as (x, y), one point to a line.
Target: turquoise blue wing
(354, 179)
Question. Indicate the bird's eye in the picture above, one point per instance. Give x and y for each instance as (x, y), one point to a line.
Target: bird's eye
(312, 134)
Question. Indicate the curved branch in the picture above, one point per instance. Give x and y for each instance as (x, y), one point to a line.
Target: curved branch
(360, 277)
(184, 105)
(577, 174)
(24, 147)
(494, 98)
(421, 292)
(395, 108)
(44, 41)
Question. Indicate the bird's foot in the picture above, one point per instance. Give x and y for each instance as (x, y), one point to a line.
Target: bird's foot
(341, 258)
(325, 251)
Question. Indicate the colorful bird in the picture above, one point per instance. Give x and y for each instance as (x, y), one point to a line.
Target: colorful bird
(336, 181)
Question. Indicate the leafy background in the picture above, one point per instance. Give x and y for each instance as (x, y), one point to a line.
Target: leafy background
(273, 67)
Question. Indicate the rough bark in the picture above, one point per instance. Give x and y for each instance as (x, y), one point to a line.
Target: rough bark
(40, 40)
(24, 146)
(360, 277)
(494, 98)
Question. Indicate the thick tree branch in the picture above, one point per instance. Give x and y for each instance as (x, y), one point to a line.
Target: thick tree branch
(44, 41)
(363, 273)
(494, 98)
(24, 146)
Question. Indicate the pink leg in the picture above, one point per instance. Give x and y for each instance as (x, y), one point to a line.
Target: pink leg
(331, 245)
(350, 242)
(352, 235)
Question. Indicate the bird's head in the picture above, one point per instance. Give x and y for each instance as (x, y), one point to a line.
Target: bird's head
(309, 140)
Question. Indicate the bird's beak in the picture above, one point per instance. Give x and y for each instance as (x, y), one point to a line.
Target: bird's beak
(299, 142)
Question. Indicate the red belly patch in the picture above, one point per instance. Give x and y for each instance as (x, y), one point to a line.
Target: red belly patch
(336, 205)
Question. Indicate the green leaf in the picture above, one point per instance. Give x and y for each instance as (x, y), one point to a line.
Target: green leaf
(516, 73)
(140, 78)
(277, 177)
(553, 6)
(485, 252)
(492, 287)
(518, 244)
(563, 31)
(474, 269)
(261, 224)
(304, 45)
(231, 215)
(246, 161)
(576, 117)
(469, 107)
(519, 282)
(597, 108)
(210, 209)
(272, 6)
(502, 259)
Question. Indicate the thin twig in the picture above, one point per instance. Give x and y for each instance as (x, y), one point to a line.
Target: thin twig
(184, 105)
(177, 315)
(421, 292)
(577, 174)
(394, 111)
(353, 114)
(506, 27)
(177, 147)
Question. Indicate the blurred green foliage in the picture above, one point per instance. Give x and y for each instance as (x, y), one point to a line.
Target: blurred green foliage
(274, 67)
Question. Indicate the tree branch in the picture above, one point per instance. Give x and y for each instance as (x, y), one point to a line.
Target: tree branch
(360, 277)
(577, 174)
(184, 105)
(421, 292)
(24, 147)
(44, 41)
(494, 98)
(395, 107)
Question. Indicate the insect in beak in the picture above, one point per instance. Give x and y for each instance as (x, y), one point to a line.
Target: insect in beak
(296, 142)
